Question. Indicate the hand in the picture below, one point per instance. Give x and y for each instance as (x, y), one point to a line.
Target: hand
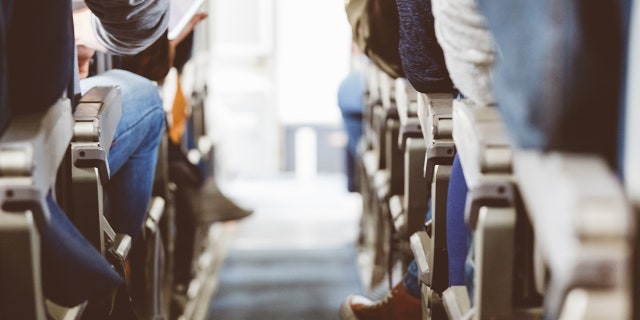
(84, 57)
(189, 28)
(185, 32)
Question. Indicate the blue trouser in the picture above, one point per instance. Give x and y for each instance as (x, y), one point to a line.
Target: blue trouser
(351, 103)
(133, 154)
(458, 235)
(353, 126)
(559, 87)
(73, 271)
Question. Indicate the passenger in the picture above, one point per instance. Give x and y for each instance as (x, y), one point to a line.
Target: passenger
(197, 199)
(41, 61)
(351, 102)
(133, 155)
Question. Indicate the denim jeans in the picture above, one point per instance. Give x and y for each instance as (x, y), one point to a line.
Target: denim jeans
(72, 269)
(559, 87)
(133, 154)
(410, 281)
(351, 102)
(458, 236)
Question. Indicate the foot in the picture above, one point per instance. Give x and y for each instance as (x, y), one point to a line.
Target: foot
(398, 304)
(214, 206)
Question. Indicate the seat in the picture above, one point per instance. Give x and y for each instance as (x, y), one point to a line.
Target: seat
(41, 250)
(31, 149)
(96, 119)
(409, 207)
(381, 175)
(581, 224)
(502, 242)
(430, 248)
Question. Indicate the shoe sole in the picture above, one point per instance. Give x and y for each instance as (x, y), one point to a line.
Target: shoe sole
(345, 311)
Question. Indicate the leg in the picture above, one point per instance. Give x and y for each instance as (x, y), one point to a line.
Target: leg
(73, 270)
(458, 236)
(133, 155)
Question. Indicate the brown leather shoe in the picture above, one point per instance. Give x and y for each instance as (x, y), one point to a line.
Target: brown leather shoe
(397, 305)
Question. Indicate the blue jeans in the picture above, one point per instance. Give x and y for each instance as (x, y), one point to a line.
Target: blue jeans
(133, 154)
(559, 87)
(458, 235)
(351, 102)
(73, 271)
(411, 282)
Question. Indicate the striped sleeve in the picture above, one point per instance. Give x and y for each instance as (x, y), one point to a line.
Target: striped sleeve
(127, 27)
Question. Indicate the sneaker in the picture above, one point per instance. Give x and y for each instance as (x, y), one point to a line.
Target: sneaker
(397, 305)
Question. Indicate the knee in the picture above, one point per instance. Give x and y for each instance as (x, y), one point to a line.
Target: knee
(158, 117)
(134, 88)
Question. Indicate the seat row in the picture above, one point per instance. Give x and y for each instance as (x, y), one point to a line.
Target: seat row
(61, 256)
(501, 227)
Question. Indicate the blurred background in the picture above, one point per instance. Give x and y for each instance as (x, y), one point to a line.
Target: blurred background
(276, 66)
(274, 71)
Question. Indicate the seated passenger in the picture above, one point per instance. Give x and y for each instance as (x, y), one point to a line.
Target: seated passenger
(133, 154)
(351, 102)
(40, 56)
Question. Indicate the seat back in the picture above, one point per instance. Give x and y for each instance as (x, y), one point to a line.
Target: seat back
(95, 121)
(31, 149)
(36, 129)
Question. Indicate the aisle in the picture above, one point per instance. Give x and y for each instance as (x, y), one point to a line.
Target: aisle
(294, 258)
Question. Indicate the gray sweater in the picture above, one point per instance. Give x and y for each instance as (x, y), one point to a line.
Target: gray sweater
(127, 27)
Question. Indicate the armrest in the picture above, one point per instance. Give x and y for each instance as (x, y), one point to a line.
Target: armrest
(406, 100)
(494, 263)
(394, 156)
(434, 113)
(373, 82)
(485, 154)
(409, 129)
(456, 302)
(398, 213)
(421, 248)
(482, 142)
(581, 221)
(387, 90)
(416, 189)
(96, 120)
(439, 253)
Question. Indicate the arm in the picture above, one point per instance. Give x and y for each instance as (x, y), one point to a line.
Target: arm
(123, 27)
